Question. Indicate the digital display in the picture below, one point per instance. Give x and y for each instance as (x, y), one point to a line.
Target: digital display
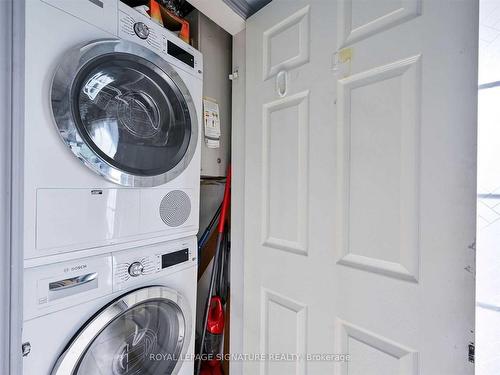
(171, 259)
(180, 54)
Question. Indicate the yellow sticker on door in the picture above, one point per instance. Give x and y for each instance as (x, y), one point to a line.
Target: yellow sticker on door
(345, 55)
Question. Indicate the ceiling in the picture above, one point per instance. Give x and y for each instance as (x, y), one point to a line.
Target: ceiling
(245, 8)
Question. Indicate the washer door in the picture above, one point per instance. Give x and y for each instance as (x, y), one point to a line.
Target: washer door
(125, 112)
(144, 332)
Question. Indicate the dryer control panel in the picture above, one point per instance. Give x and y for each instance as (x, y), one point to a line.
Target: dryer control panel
(138, 28)
(138, 265)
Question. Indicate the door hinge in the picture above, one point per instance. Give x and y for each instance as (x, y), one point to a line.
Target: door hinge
(471, 352)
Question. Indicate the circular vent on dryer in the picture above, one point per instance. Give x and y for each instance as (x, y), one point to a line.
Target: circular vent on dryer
(175, 208)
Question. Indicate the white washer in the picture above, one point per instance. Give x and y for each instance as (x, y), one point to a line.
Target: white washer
(124, 313)
(112, 129)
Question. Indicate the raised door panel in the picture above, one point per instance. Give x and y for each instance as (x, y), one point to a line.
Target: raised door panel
(286, 44)
(378, 156)
(361, 19)
(284, 173)
(371, 353)
(284, 331)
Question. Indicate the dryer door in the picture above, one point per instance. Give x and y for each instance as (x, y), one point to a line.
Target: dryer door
(146, 331)
(125, 112)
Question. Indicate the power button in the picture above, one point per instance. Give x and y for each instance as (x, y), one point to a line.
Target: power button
(141, 30)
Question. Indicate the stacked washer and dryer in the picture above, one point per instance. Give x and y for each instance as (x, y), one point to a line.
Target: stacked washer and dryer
(111, 191)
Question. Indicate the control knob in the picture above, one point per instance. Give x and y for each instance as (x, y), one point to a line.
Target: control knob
(135, 269)
(141, 30)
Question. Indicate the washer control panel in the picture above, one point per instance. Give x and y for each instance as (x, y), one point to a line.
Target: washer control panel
(137, 265)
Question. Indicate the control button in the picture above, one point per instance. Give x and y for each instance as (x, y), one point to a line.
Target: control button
(141, 30)
(135, 269)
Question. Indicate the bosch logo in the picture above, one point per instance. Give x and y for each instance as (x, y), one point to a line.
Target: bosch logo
(79, 267)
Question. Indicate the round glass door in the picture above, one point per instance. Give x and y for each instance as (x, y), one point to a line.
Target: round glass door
(128, 345)
(125, 112)
(145, 332)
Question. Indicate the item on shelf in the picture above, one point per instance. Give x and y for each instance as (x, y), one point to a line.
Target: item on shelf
(179, 7)
(175, 23)
(155, 12)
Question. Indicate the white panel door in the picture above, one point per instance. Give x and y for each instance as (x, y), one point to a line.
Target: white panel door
(360, 165)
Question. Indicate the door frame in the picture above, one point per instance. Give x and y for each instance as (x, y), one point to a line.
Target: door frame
(11, 183)
(237, 199)
(5, 177)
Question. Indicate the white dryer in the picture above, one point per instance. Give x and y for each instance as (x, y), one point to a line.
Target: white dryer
(124, 313)
(112, 129)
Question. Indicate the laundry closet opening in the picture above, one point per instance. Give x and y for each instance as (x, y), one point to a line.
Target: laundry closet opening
(123, 152)
(215, 45)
